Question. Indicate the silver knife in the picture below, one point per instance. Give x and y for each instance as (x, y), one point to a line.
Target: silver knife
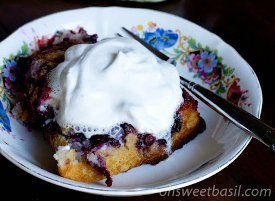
(244, 120)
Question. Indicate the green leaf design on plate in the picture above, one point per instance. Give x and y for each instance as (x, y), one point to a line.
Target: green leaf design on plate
(221, 90)
(207, 48)
(176, 50)
(228, 71)
(24, 49)
(219, 59)
(192, 43)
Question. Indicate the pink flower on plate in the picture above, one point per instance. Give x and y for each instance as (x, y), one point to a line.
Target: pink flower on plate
(193, 61)
(134, 30)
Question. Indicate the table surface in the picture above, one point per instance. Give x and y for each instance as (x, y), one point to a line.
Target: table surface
(248, 25)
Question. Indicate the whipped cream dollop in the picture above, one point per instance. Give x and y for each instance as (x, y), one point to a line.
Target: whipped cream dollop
(117, 80)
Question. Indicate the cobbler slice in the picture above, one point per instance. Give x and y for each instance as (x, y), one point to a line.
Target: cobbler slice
(102, 155)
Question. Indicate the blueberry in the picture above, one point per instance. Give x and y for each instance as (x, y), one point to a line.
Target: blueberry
(128, 128)
(177, 124)
(115, 143)
(52, 128)
(148, 139)
(161, 142)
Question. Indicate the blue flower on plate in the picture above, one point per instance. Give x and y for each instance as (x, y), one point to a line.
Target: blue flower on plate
(10, 70)
(161, 38)
(4, 119)
(207, 62)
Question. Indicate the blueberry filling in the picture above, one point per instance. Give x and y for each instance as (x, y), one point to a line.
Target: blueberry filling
(177, 122)
(77, 137)
(162, 142)
(186, 96)
(52, 128)
(145, 141)
(100, 140)
(128, 128)
(100, 165)
(93, 144)
(81, 144)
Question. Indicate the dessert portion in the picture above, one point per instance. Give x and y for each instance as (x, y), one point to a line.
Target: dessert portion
(112, 82)
(105, 107)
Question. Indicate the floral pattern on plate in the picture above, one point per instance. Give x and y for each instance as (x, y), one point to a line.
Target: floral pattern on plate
(204, 62)
(8, 77)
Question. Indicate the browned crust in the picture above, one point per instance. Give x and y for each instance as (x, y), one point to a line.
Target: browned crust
(190, 124)
(128, 155)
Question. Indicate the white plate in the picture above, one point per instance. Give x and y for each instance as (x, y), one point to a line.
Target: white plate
(206, 155)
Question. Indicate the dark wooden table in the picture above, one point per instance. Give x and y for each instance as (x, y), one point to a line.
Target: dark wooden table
(248, 25)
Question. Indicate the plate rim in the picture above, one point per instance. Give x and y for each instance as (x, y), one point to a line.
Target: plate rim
(138, 191)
